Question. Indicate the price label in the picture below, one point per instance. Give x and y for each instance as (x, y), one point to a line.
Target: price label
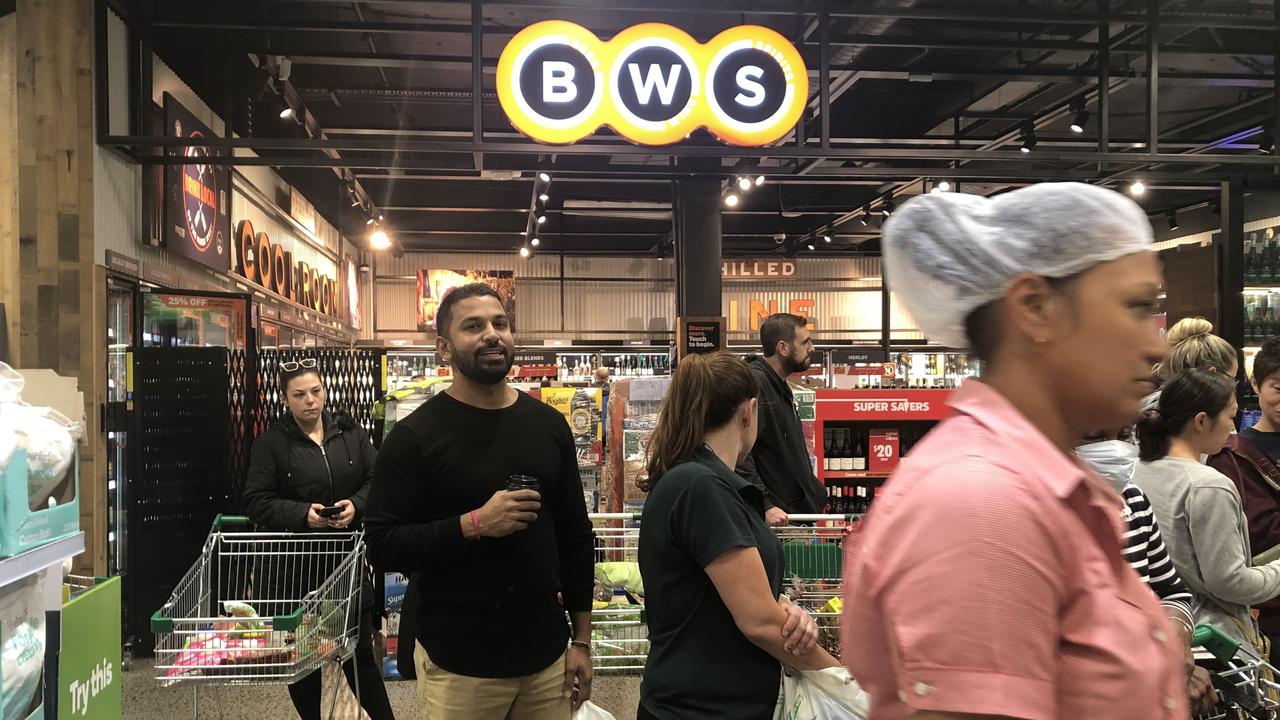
(884, 451)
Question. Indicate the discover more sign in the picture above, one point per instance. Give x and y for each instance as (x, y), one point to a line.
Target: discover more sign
(652, 83)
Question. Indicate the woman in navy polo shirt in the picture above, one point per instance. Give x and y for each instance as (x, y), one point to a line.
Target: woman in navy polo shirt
(719, 631)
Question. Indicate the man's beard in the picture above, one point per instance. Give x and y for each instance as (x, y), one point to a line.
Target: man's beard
(486, 370)
(794, 366)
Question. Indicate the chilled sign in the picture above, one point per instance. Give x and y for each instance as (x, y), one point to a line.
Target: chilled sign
(652, 83)
(268, 264)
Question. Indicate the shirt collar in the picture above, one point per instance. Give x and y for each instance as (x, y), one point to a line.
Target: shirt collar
(1037, 456)
(711, 461)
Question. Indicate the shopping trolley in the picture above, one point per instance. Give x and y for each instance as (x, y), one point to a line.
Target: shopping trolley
(812, 549)
(261, 608)
(1244, 680)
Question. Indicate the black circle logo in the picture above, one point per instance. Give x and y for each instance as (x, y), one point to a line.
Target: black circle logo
(749, 85)
(556, 82)
(654, 83)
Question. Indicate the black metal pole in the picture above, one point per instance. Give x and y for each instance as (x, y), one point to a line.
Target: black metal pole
(1231, 259)
(698, 247)
(1153, 77)
(824, 77)
(1104, 82)
(477, 71)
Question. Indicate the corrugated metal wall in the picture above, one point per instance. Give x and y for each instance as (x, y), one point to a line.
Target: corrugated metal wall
(597, 308)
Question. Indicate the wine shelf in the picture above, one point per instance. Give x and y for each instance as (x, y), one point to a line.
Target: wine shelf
(852, 475)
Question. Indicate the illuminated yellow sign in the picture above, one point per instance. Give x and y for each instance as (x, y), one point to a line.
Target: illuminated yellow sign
(652, 83)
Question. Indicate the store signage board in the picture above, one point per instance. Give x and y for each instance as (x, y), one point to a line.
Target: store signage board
(700, 335)
(757, 311)
(121, 263)
(302, 210)
(883, 450)
(652, 83)
(197, 195)
(758, 269)
(534, 363)
(90, 676)
(268, 265)
(856, 356)
(887, 405)
(434, 284)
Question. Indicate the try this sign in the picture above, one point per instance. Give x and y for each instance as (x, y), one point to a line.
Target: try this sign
(652, 83)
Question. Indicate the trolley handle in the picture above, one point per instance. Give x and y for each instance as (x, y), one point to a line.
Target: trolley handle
(220, 520)
(1221, 645)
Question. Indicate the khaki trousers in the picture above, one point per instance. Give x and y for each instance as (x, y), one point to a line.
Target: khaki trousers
(443, 695)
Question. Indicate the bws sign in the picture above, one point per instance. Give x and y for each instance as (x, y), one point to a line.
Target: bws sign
(652, 83)
(268, 264)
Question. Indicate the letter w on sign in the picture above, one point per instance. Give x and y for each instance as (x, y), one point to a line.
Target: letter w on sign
(666, 86)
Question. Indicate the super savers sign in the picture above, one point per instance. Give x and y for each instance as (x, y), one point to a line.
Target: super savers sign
(652, 83)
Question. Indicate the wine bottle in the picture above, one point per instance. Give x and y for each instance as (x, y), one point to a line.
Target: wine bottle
(1250, 261)
(846, 454)
(1266, 274)
(859, 453)
(826, 448)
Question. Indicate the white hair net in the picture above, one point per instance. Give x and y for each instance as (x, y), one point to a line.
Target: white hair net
(948, 254)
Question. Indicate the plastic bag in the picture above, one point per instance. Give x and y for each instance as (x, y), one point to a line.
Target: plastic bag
(828, 694)
(591, 711)
(22, 651)
(11, 384)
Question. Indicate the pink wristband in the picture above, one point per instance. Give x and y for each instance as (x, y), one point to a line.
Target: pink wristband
(475, 525)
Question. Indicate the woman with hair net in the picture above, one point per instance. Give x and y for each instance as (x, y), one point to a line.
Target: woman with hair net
(987, 581)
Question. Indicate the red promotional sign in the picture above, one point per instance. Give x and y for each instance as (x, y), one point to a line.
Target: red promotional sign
(882, 451)
(886, 405)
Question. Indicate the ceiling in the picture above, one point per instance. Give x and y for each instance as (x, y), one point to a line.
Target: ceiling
(919, 92)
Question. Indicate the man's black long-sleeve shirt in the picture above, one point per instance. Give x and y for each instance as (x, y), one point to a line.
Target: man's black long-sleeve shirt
(488, 607)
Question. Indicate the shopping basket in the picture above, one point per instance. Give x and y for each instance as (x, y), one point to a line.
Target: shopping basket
(261, 608)
(1244, 680)
(812, 547)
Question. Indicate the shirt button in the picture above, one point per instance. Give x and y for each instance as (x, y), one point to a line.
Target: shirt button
(1159, 635)
(1169, 703)
(921, 689)
(902, 696)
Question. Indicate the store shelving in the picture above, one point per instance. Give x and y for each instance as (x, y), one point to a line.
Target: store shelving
(51, 555)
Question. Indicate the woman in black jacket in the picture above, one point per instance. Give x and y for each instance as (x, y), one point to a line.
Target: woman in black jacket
(307, 461)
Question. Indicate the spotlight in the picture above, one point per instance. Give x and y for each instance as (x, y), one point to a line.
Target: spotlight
(1266, 140)
(731, 200)
(1172, 217)
(744, 184)
(863, 220)
(544, 177)
(286, 113)
(888, 207)
(1028, 138)
(368, 221)
(1081, 118)
(1137, 188)
(810, 246)
(943, 186)
(379, 240)
(544, 197)
(866, 215)
(826, 238)
(759, 180)
(542, 219)
(379, 217)
(535, 242)
(524, 252)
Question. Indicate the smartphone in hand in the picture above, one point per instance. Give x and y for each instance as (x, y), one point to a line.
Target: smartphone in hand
(331, 511)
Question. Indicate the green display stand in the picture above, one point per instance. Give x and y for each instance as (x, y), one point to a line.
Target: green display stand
(89, 672)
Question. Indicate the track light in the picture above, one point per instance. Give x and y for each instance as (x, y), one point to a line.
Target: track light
(1081, 118)
(731, 200)
(888, 207)
(544, 177)
(535, 242)
(943, 186)
(826, 238)
(1172, 217)
(379, 240)
(1028, 138)
(866, 215)
(379, 217)
(810, 246)
(744, 184)
(524, 252)
(542, 219)
(759, 180)
(1136, 188)
(286, 113)
(369, 221)
(1266, 140)
(544, 197)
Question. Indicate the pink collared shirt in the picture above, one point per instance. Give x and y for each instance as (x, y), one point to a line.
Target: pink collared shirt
(988, 579)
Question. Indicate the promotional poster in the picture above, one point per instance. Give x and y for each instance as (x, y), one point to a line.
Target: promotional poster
(352, 275)
(433, 285)
(197, 196)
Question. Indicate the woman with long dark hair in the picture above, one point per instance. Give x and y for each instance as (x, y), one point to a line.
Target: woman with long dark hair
(719, 629)
(1198, 508)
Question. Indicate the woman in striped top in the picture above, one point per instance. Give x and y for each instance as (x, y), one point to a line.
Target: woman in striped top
(1113, 455)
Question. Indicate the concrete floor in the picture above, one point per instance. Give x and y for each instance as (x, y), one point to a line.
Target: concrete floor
(145, 699)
